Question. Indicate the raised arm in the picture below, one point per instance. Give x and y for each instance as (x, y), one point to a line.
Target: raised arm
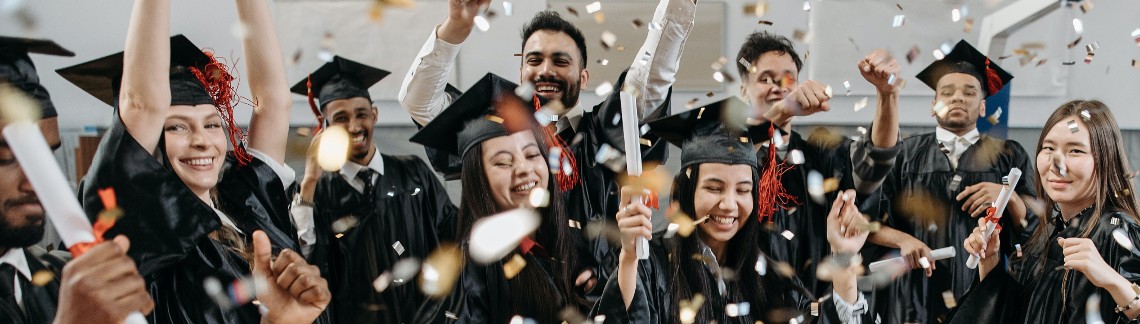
(664, 46)
(871, 162)
(144, 97)
(269, 126)
(422, 92)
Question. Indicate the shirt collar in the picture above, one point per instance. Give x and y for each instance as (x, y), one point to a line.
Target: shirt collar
(572, 117)
(945, 136)
(18, 260)
(350, 169)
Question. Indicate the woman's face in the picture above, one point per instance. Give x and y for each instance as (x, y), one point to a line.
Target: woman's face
(724, 193)
(195, 145)
(1064, 147)
(514, 166)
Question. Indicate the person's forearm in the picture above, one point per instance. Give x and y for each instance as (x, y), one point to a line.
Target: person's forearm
(888, 237)
(776, 115)
(422, 93)
(845, 285)
(269, 126)
(627, 276)
(455, 31)
(885, 129)
(664, 47)
(1122, 294)
(144, 94)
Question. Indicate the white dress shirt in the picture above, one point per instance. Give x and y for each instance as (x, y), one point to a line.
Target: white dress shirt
(422, 92)
(18, 260)
(956, 144)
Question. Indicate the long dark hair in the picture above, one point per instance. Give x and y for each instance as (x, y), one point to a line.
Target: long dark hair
(1110, 168)
(742, 252)
(529, 293)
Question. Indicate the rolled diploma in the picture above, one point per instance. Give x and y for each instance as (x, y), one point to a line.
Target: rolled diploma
(43, 172)
(935, 255)
(999, 206)
(631, 132)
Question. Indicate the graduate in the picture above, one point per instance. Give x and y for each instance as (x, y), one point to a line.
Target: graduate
(771, 85)
(401, 210)
(554, 65)
(946, 179)
(195, 210)
(504, 160)
(719, 261)
(103, 285)
(1083, 249)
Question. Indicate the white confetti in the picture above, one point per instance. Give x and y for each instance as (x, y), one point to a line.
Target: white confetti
(899, 21)
(718, 76)
(539, 197)
(938, 55)
(796, 156)
(732, 310)
(862, 103)
(508, 8)
(482, 23)
(1092, 309)
(788, 235)
(594, 7)
(381, 283)
(332, 150)
(343, 224)
(405, 269)
(807, 5)
(847, 86)
(494, 236)
(1121, 237)
(1078, 26)
(1018, 248)
(608, 39)
(604, 89)
(815, 186)
(671, 230)
(761, 266)
(604, 62)
(399, 247)
(946, 48)
(955, 15)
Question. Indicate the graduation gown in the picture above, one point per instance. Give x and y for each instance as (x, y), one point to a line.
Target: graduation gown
(483, 294)
(595, 197)
(654, 300)
(807, 219)
(921, 203)
(1032, 291)
(40, 302)
(169, 226)
(407, 215)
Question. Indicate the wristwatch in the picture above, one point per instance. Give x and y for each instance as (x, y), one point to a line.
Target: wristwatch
(298, 201)
(1134, 303)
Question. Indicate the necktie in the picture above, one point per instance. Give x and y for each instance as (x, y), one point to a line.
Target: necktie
(366, 176)
(8, 290)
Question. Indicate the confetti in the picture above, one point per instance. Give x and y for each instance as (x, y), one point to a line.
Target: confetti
(1085, 115)
(513, 267)
(1078, 26)
(955, 15)
(760, 8)
(862, 103)
(762, 265)
(405, 269)
(380, 284)
(815, 186)
(399, 247)
(1060, 165)
(807, 5)
(765, 22)
(539, 197)
(482, 23)
(799, 35)
(594, 7)
(968, 26)
(941, 109)
(948, 299)
(956, 181)
(492, 237)
(689, 308)
(600, 18)
(605, 89)
(1086, 6)
(996, 117)
(1092, 305)
(572, 11)
(440, 271)
(796, 156)
(1018, 248)
(788, 235)
(1072, 124)
(604, 62)
(899, 21)
(343, 224)
(508, 8)
(1121, 237)
(304, 131)
(938, 55)
(42, 278)
(897, 5)
(608, 39)
(332, 149)
(912, 54)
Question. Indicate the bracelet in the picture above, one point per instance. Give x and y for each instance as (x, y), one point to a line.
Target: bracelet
(1135, 300)
(298, 201)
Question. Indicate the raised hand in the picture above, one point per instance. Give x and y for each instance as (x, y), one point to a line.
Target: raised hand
(846, 226)
(460, 20)
(881, 70)
(295, 291)
(806, 99)
(633, 219)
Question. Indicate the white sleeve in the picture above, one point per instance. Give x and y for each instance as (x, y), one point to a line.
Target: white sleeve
(303, 221)
(662, 49)
(850, 313)
(284, 172)
(422, 92)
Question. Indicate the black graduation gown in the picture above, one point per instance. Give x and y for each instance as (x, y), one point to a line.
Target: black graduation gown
(408, 205)
(654, 300)
(924, 170)
(1031, 291)
(595, 197)
(168, 225)
(483, 294)
(40, 302)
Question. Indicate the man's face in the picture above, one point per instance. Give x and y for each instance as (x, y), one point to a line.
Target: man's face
(775, 75)
(21, 215)
(358, 116)
(962, 95)
(552, 61)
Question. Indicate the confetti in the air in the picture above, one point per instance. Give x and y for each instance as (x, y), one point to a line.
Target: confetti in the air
(1060, 164)
(399, 247)
(608, 39)
(955, 15)
(604, 89)
(996, 117)
(807, 5)
(788, 235)
(572, 11)
(42, 278)
(1072, 124)
(594, 7)
(759, 9)
(381, 283)
(912, 54)
(508, 8)
(899, 21)
(1086, 6)
(815, 186)
(968, 26)
(1018, 248)
(941, 109)
(404, 270)
(513, 267)
(494, 236)
(1121, 237)
(796, 156)
(938, 54)
(1078, 26)
(482, 23)
(948, 298)
(343, 224)
(539, 197)
(862, 103)
(441, 270)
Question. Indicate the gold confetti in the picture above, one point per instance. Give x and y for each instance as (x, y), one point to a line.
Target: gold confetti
(513, 267)
(948, 298)
(600, 18)
(304, 131)
(759, 9)
(968, 26)
(689, 308)
(764, 22)
(784, 269)
(441, 270)
(380, 284)
(376, 12)
(996, 117)
(42, 278)
(1086, 6)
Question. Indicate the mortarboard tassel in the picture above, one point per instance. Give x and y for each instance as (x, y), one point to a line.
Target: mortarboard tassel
(993, 81)
(219, 85)
(566, 180)
(772, 194)
(313, 104)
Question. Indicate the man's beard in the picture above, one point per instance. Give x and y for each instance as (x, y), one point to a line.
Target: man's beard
(570, 90)
(12, 237)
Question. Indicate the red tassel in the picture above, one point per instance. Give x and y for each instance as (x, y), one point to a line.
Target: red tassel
(772, 194)
(993, 81)
(219, 85)
(106, 220)
(313, 104)
(566, 180)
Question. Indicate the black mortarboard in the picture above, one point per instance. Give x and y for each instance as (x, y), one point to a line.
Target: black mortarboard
(488, 109)
(338, 79)
(712, 133)
(17, 68)
(101, 77)
(966, 59)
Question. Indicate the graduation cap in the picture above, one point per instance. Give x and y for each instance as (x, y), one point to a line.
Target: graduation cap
(196, 78)
(966, 59)
(101, 77)
(16, 67)
(338, 79)
(712, 133)
(488, 109)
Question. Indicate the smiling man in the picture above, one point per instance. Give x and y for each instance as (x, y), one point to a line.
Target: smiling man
(951, 176)
(398, 206)
(554, 62)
